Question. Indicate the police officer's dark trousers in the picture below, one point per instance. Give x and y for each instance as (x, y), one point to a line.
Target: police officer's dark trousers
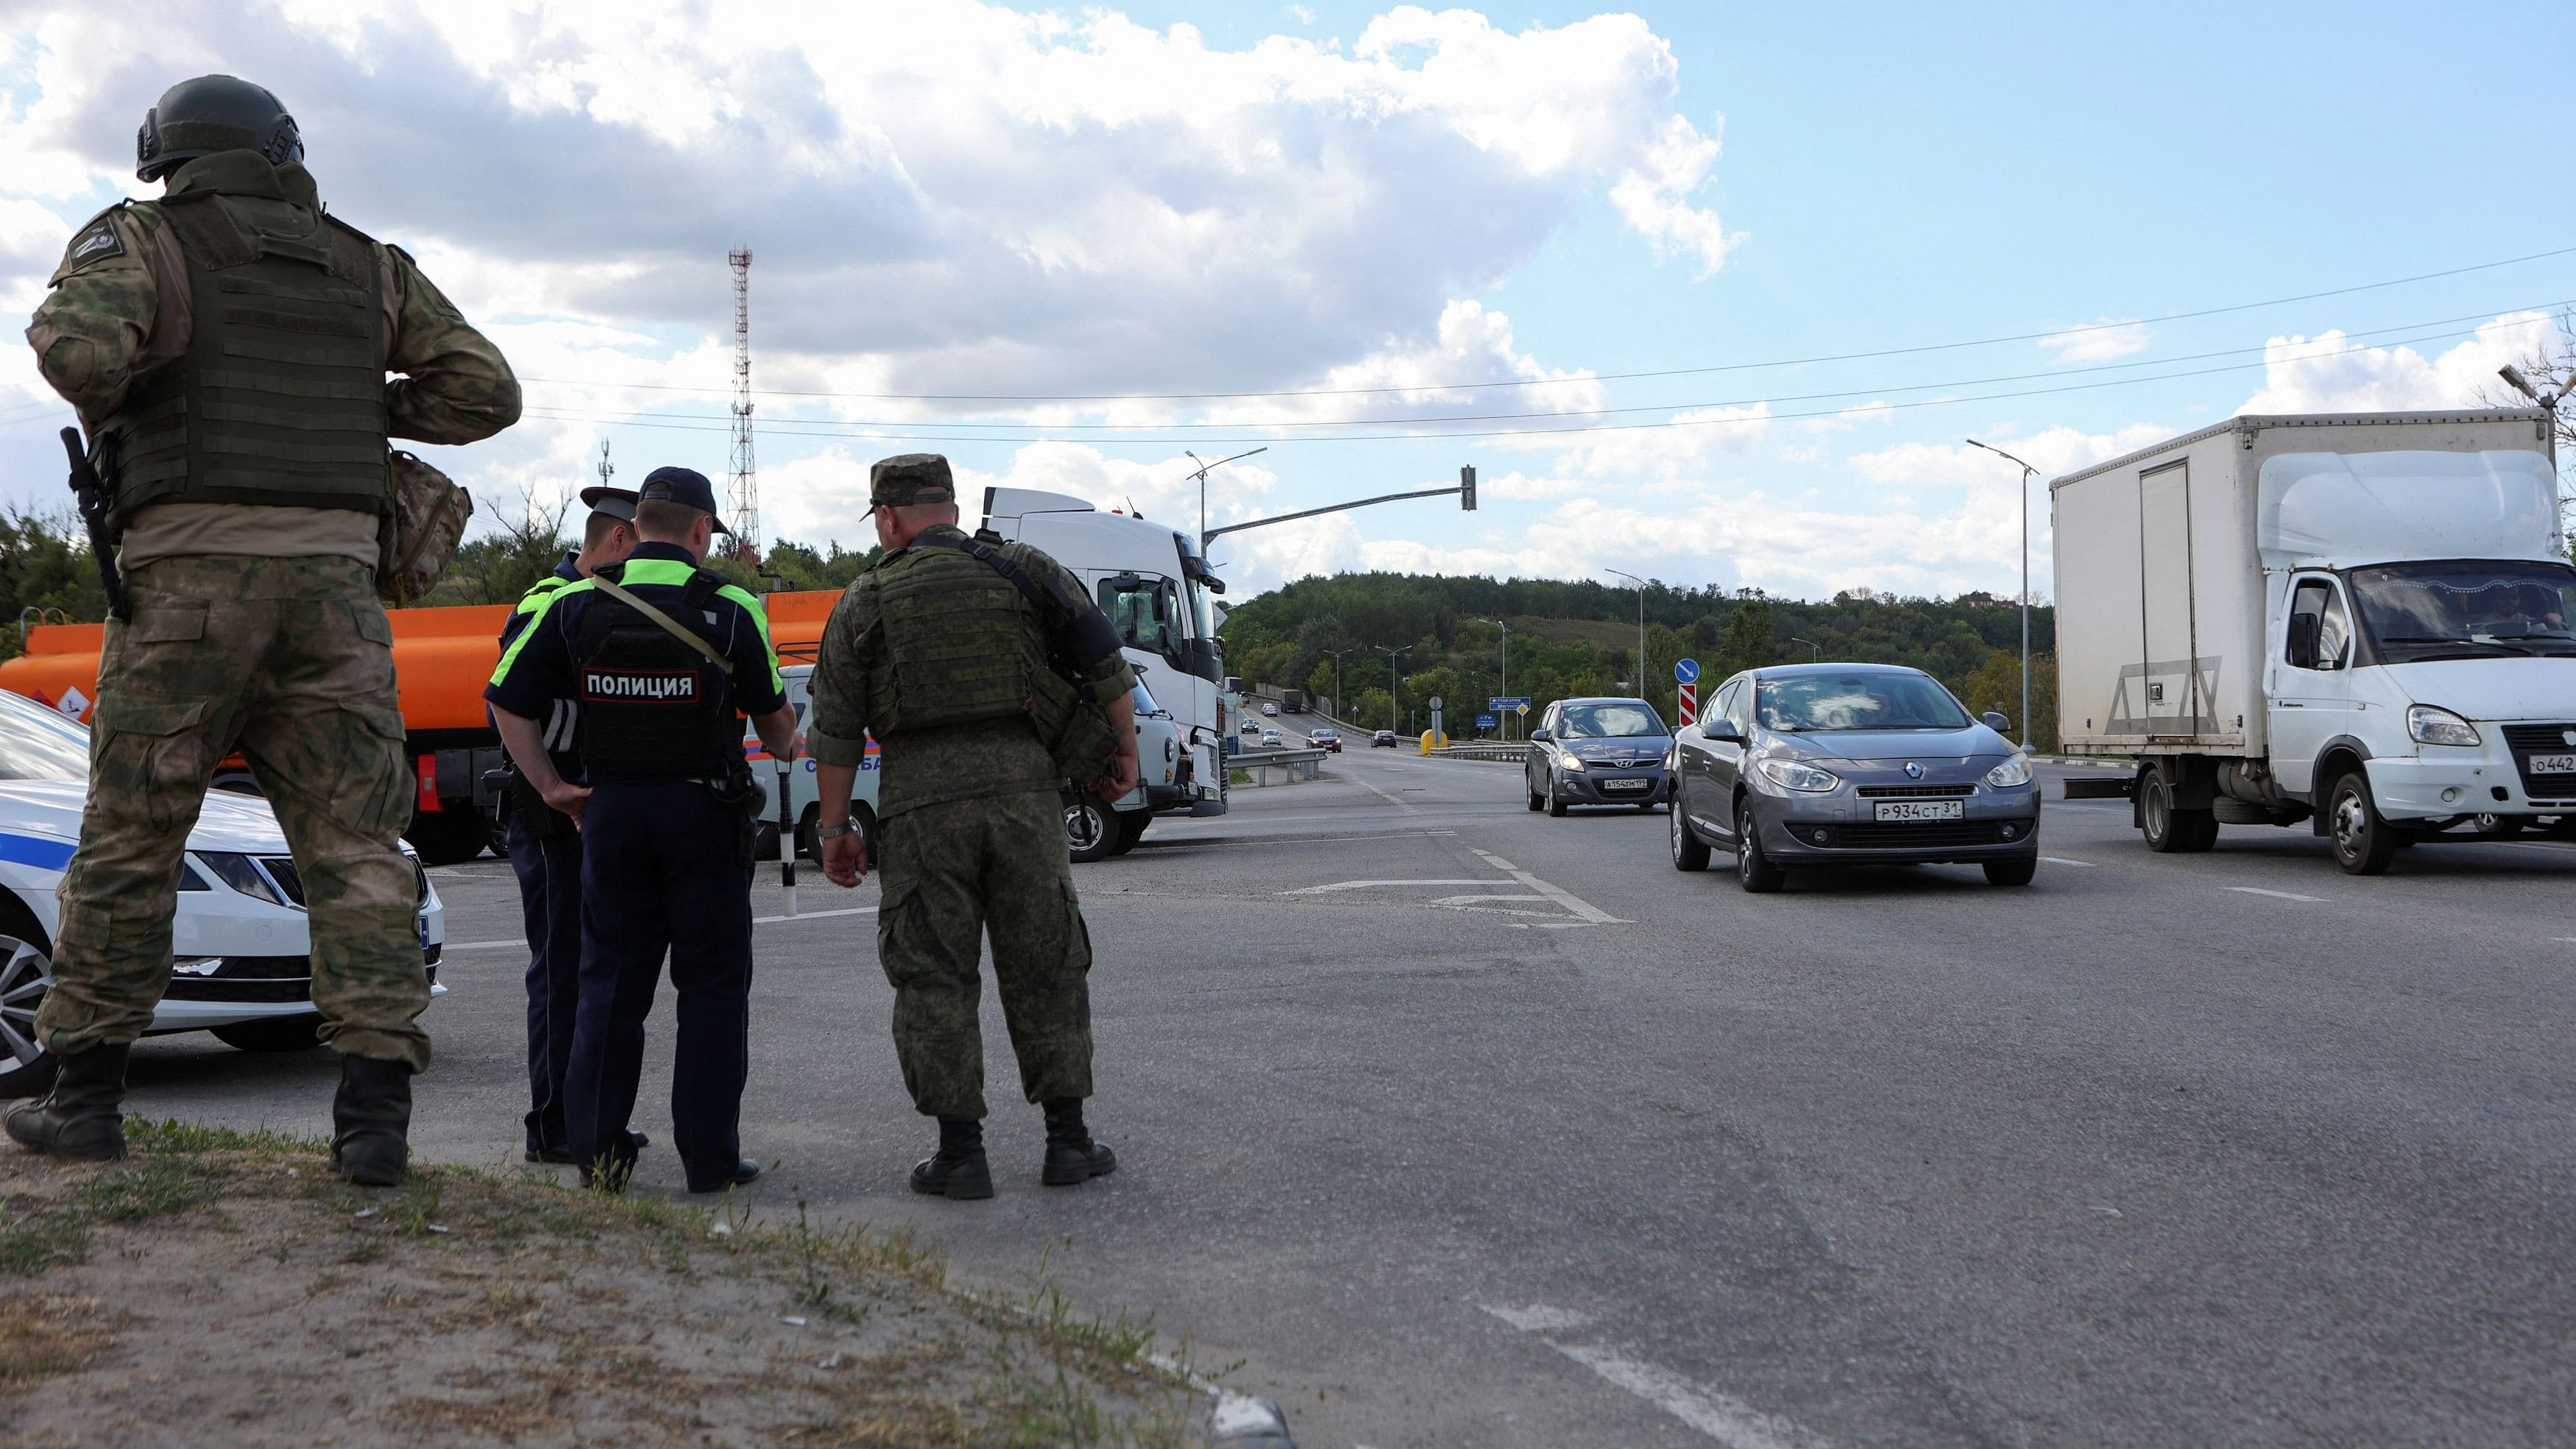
(548, 864)
(664, 869)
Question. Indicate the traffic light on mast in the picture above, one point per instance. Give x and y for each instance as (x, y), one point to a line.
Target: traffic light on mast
(1467, 489)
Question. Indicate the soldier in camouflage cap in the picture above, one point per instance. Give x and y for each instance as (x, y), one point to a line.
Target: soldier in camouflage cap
(943, 650)
(234, 340)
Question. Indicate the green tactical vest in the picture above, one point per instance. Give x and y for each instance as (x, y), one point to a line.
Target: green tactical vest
(280, 400)
(957, 647)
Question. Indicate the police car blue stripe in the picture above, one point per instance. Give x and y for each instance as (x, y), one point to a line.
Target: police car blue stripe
(35, 850)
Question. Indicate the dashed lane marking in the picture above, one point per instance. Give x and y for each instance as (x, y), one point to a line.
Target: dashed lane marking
(2276, 895)
(2062, 860)
(1358, 885)
(1722, 1417)
(756, 920)
(1582, 909)
(1407, 806)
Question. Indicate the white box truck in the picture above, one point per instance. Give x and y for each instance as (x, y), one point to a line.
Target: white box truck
(2358, 622)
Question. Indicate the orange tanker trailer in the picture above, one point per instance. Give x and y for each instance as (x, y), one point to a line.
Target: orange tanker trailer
(442, 657)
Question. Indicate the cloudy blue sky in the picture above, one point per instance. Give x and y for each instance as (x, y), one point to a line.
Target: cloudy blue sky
(1041, 240)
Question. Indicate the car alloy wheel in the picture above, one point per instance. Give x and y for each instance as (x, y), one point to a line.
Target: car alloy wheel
(25, 975)
(1689, 851)
(1753, 868)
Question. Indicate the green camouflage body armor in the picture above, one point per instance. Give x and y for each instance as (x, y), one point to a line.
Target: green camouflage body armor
(962, 648)
(280, 400)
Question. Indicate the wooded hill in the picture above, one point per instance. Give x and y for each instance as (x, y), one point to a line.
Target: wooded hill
(1576, 638)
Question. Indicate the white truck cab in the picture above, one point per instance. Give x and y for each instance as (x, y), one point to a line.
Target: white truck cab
(2360, 622)
(1159, 593)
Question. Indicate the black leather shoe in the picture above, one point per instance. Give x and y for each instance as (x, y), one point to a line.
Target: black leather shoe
(562, 1156)
(1072, 1163)
(744, 1173)
(83, 1118)
(370, 1120)
(959, 1177)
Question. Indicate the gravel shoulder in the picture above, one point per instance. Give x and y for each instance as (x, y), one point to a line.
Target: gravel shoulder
(226, 1287)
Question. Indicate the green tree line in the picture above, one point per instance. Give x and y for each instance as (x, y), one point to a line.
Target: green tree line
(1570, 638)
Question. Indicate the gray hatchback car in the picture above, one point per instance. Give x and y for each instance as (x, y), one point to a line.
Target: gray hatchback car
(1597, 752)
(1850, 764)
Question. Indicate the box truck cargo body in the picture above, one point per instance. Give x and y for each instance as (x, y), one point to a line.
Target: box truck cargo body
(2356, 621)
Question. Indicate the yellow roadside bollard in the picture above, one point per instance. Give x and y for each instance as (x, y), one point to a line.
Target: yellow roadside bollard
(1434, 740)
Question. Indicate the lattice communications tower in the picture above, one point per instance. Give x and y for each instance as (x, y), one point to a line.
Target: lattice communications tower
(743, 499)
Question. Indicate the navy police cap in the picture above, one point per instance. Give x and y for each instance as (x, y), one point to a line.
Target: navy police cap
(685, 486)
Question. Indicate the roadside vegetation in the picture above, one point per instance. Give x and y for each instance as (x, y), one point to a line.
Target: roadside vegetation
(229, 1281)
(1576, 638)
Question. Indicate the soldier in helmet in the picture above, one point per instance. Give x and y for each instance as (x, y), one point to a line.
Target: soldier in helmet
(235, 342)
(969, 659)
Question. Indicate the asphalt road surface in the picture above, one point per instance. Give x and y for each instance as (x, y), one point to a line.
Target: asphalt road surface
(1459, 1125)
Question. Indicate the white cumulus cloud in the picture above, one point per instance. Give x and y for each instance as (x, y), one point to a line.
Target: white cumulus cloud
(2327, 374)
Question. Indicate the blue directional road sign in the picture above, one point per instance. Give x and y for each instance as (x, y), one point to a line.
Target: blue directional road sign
(1484, 721)
(1686, 671)
(1502, 702)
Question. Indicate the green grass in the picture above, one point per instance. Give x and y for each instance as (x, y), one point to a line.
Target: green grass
(30, 1242)
(149, 1190)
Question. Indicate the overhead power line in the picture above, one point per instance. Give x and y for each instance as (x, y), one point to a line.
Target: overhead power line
(1418, 420)
(2053, 332)
(1251, 432)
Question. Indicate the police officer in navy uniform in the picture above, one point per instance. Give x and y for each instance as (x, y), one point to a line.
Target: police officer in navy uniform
(545, 849)
(663, 656)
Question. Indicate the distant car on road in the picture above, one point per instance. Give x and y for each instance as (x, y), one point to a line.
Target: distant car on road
(1252, 726)
(1270, 739)
(243, 968)
(1382, 737)
(1328, 740)
(1597, 752)
(1850, 764)
(1270, 710)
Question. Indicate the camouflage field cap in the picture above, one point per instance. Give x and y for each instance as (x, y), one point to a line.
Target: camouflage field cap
(909, 478)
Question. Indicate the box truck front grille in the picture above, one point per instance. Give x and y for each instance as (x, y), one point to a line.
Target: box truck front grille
(2546, 739)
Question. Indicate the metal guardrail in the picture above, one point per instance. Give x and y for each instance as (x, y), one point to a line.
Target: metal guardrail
(1293, 765)
(1498, 751)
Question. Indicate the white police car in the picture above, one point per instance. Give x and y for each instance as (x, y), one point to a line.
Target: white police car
(243, 971)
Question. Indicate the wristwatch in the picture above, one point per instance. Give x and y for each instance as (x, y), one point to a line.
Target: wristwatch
(835, 832)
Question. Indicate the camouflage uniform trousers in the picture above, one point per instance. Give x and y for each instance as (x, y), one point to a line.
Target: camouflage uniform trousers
(290, 661)
(951, 872)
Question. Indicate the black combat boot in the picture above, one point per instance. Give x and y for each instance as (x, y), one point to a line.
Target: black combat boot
(1071, 1156)
(957, 1171)
(368, 1119)
(82, 1119)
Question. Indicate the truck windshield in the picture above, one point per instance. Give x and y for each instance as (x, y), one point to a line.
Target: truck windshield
(1873, 701)
(2466, 610)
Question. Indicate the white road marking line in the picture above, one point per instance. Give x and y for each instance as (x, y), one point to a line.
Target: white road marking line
(1722, 1417)
(1580, 908)
(2062, 860)
(1479, 900)
(2276, 895)
(1406, 806)
(1354, 885)
(756, 920)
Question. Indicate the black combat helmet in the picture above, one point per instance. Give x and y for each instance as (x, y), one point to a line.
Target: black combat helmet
(209, 114)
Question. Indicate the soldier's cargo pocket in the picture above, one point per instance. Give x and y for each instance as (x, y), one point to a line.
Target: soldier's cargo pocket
(147, 758)
(375, 785)
(899, 941)
(1077, 934)
(179, 622)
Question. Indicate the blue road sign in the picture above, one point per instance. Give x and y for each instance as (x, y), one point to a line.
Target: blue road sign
(1686, 670)
(1484, 721)
(1502, 702)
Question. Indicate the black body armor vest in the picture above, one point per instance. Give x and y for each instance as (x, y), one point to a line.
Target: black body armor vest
(652, 708)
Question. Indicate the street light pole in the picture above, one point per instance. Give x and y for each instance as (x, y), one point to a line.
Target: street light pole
(1641, 627)
(1339, 703)
(1201, 475)
(1814, 653)
(1391, 684)
(2027, 473)
(1507, 669)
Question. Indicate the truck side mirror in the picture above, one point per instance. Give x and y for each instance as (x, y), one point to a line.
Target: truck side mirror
(2304, 632)
(1997, 721)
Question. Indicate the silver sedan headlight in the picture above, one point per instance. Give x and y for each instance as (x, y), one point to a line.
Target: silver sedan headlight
(1799, 776)
(2012, 772)
(1575, 763)
(2430, 724)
